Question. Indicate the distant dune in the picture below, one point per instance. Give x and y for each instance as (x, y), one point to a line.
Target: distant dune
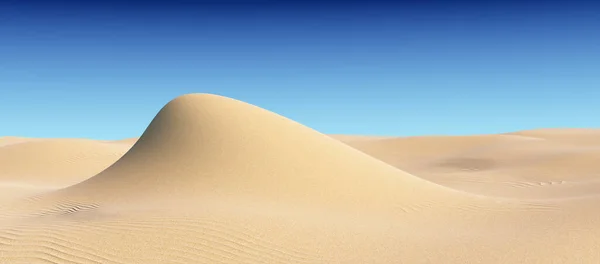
(216, 180)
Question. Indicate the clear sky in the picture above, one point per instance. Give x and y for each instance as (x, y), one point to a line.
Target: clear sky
(103, 69)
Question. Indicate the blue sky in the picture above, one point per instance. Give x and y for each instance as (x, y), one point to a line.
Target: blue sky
(103, 69)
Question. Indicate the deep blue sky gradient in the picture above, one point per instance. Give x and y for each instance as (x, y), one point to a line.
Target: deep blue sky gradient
(103, 69)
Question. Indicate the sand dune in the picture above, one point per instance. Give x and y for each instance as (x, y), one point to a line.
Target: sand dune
(517, 165)
(9, 140)
(67, 160)
(573, 136)
(216, 180)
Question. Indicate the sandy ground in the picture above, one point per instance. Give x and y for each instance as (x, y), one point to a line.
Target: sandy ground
(215, 180)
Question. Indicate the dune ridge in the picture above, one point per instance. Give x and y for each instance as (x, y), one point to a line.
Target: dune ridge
(217, 180)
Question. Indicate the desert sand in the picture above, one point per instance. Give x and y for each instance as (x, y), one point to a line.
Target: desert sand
(216, 180)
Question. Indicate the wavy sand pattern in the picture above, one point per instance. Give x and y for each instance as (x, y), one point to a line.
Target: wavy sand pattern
(216, 180)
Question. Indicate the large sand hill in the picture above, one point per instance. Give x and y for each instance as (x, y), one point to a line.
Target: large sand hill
(216, 180)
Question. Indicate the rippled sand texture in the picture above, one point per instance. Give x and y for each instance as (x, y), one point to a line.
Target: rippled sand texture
(216, 180)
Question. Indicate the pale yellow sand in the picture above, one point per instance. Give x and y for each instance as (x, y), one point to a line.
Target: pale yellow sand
(528, 164)
(215, 180)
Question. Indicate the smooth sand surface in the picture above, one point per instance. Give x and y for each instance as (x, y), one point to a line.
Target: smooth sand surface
(216, 180)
